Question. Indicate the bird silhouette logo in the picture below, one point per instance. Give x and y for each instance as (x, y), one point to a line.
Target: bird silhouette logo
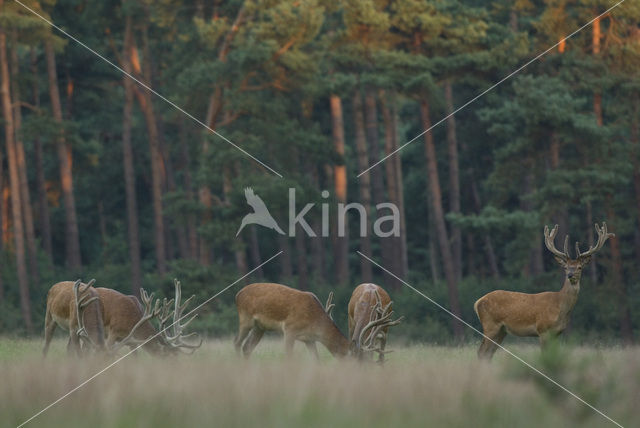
(260, 214)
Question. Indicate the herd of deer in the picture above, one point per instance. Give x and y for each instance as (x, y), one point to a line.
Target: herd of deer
(107, 320)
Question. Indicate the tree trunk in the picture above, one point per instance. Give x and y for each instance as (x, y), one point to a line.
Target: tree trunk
(635, 151)
(364, 184)
(441, 227)
(373, 140)
(129, 174)
(254, 249)
(341, 244)
(14, 180)
(597, 96)
(619, 290)
(239, 249)
(215, 107)
(454, 180)
(25, 196)
(317, 245)
(593, 269)
(486, 238)
(73, 259)
(188, 185)
(146, 106)
(301, 255)
(43, 205)
(287, 266)
(393, 188)
(397, 159)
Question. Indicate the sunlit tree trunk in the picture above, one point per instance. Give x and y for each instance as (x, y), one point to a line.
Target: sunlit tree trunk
(129, 174)
(441, 227)
(14, 181)
(25, 194)
(146, 106)
(64, 158)
(340, 256)
(364, 184)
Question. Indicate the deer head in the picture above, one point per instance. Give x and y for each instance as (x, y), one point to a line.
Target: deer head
(87, 303)
(573, 267)
(168, 313)
(374, 333)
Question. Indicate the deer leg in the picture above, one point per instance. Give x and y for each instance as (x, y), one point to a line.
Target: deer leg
(311, 346)
(244, 328)
(383, 344)
(49, 327)
(493, 338)
(251, 342)
(288, 344)
(74, 344)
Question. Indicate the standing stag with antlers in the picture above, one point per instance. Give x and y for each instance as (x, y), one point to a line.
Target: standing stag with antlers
(543, 314)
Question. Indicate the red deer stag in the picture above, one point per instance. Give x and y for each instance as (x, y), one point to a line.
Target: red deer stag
(297, 314)
(127, 322)
(543, 314)
(370, 312)
(75, 307)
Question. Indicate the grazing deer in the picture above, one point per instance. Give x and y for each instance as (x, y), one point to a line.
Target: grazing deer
(370, 311)
(127, 321)
(297, 314)
(75, 307)
(543, 314)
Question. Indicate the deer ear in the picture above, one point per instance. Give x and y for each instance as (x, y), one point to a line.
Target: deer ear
(585, 260)
(560, 261)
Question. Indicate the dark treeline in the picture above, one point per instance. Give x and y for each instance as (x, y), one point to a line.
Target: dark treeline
(101, 178)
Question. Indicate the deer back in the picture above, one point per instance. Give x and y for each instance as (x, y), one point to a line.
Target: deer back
(121, 313)
(62, 307)
(278, 307)
(363, 299)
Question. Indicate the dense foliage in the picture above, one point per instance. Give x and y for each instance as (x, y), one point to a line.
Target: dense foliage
(319, 91)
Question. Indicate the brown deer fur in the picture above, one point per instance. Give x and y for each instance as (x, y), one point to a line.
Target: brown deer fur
(61, 310)
(297, 314)
(363, 299)
(121, 312)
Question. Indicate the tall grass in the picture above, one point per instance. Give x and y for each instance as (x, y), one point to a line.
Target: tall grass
(419, 386)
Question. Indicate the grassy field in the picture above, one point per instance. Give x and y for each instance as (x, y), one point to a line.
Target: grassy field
(419, 386)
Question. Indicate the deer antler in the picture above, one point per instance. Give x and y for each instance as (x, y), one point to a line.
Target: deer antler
(81, 304)
(549, 238)
(328, 307)
(603, 235)
(380, 319)
(172, 334)
(150, 310)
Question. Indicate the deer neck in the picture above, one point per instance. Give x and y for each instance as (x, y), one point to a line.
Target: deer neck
(333, 339)
(569, 295)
